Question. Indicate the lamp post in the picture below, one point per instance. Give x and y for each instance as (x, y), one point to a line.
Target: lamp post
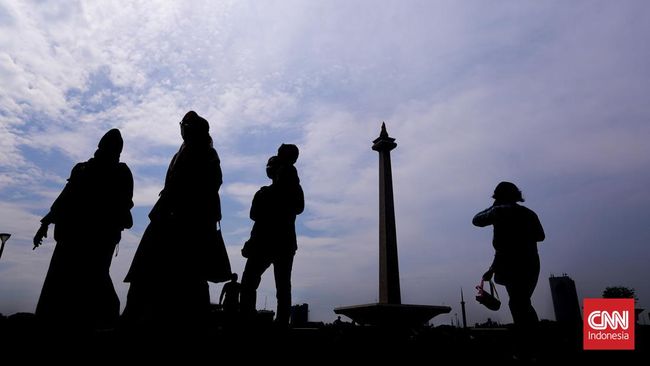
(4, 237)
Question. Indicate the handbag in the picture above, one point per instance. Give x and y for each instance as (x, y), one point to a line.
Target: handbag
(257, 245)
(216, 262)
(489, 299)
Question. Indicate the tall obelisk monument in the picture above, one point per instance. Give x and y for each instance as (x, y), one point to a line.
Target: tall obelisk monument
(389, 291)
(389, 311)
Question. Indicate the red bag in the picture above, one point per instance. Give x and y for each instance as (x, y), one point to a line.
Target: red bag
(489, 299)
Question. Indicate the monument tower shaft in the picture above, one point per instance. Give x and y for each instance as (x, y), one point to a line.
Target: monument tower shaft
(389, 286)
(389, 311)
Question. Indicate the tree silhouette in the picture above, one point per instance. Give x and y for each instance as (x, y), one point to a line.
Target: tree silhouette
(620, 292)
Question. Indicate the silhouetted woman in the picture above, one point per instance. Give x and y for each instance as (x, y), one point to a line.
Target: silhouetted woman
(516, 262)
(88, 216)
(272, 241)
(179, 251)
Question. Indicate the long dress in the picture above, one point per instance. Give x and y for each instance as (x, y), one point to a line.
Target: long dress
(181, 249)
(89, 215)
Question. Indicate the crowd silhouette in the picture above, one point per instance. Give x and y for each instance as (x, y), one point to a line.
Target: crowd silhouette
(182, 248)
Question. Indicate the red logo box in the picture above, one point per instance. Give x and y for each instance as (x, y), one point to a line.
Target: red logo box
(608, 324)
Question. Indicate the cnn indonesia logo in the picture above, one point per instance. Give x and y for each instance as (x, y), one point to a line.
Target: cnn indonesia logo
(609, 324)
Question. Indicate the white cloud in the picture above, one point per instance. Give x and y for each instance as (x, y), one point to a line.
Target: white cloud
(145, 192)
(242, 192)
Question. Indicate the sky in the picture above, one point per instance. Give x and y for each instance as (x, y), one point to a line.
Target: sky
(553, 96)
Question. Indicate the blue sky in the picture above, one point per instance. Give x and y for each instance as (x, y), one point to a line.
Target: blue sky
(551, 95)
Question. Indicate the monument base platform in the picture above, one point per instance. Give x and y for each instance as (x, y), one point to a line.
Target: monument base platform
(393, 315)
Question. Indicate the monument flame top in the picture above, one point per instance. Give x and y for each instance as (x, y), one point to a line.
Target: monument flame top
(383, 142)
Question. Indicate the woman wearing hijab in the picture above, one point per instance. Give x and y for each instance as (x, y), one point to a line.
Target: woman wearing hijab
(180, 250)
(88, 216)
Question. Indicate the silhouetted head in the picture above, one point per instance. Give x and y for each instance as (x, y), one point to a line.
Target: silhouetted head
(233, 276)
(110, 146)
(195, 129)
(288, 153)
(272, 167)
(507, 192)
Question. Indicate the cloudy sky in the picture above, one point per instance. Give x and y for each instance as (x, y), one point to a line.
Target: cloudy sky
(553, 95)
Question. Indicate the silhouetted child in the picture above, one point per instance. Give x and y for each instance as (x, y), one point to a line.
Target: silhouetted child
(229, 297)
(287, 173)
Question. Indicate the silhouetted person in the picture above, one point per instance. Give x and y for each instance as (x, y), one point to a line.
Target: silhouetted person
(338, 321)
(272, 241)
(229, 297)
(179, 251)
(516, 261)
(88, 216)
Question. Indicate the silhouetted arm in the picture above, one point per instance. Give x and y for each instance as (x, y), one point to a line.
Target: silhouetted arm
(126, 197)
(61, 202)
(262, 204)
(42, 231)
(40, 234)
(539, 234)
(255, 212)
(58, 205)
(300, 200)
(488, 274)
(214, 182)
(219, 174)
(219, 181)
(484, 218)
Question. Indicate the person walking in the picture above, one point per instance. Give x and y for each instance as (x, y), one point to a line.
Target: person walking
(517, 230)
(181, 248)
(229, 297)
(88, 216)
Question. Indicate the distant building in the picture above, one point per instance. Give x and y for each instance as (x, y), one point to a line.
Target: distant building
(565, 300)
(265, 316)
(489, 323)
(299, 315)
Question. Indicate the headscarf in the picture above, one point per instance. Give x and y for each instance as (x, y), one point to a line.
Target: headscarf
(197, 143)
(196, 129)
(110, 147)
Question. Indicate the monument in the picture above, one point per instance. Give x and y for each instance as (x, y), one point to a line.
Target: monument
(389, 311)
(462, 307)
